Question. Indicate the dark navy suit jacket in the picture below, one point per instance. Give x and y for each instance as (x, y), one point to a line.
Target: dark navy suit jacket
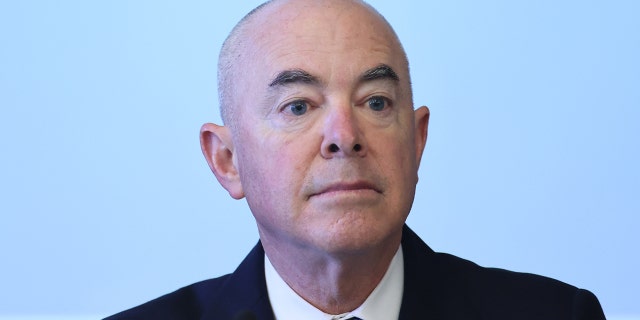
(436, 286)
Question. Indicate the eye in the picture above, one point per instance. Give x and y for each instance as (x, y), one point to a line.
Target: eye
(377, 103)
(298, 108)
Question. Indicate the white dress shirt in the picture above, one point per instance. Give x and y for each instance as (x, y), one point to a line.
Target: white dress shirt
(382, 304)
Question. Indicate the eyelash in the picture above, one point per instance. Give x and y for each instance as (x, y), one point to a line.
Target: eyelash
(387, 101)
(287, 106)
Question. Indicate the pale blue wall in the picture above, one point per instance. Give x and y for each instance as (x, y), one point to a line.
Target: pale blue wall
(106, 201)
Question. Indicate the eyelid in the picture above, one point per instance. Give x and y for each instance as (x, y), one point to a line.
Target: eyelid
(388, 100)
(290, 102)
(284, 108)
(381, 96)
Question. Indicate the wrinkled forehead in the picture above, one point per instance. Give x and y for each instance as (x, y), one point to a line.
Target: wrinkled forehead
(291, 27)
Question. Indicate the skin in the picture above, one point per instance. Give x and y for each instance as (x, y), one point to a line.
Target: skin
(327, 162)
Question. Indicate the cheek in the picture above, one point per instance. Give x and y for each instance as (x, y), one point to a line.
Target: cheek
(396, 158)
(273, 178)
(272, 171)
(262, 188)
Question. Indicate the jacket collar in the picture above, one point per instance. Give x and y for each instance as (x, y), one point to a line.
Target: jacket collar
(246, 290)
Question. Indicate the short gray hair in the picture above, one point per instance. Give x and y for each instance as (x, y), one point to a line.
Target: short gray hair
(229, 54)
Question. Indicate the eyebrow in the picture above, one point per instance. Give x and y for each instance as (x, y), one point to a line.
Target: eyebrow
(381, 72)
(293, 76)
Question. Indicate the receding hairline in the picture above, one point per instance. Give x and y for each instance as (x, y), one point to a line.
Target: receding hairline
(231, 50)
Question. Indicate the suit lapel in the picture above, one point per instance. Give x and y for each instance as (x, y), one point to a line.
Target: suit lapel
(431, 288)
(416, 280)
(244, 290)
(423, 297)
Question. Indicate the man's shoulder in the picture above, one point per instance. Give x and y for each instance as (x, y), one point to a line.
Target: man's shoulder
(185, 303)
(495, 292)
(218, 298)
(458, 273)
(473, 274)
(441, 283)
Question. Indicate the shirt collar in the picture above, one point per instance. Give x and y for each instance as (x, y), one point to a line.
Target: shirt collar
(382, 304)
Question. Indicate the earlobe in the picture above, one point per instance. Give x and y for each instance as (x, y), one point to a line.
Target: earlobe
(422, 125)
(217, 148)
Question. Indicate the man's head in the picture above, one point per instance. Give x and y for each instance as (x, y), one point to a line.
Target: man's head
(321, 136)
(234, 50)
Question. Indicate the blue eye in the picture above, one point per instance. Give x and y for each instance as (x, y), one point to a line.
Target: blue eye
(377, 103)
(298, 108)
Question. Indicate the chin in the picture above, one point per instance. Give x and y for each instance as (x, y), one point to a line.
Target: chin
(354, 238)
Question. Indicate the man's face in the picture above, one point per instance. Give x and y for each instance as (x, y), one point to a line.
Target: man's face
(325, 140)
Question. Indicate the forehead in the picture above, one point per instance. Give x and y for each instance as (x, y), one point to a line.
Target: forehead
(336, 39)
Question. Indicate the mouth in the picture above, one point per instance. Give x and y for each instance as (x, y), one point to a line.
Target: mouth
(347, 187)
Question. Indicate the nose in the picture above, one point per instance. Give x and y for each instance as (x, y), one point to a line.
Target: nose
(342, 134)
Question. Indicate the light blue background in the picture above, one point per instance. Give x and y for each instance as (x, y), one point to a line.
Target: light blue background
(106, 202)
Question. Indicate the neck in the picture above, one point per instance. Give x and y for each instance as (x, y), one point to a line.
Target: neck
(332, 282)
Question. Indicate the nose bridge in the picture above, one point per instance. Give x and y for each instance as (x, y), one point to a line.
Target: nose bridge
(340, 123)
(341, 130)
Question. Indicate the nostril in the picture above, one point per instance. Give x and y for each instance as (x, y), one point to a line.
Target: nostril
(334, 148)
(357, 147)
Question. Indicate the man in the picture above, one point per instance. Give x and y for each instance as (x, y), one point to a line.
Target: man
(322, 140)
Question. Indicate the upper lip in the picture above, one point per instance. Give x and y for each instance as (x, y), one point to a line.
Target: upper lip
(346, 186)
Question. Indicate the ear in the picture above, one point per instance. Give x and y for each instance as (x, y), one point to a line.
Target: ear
(217, 148)
(422, 126)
